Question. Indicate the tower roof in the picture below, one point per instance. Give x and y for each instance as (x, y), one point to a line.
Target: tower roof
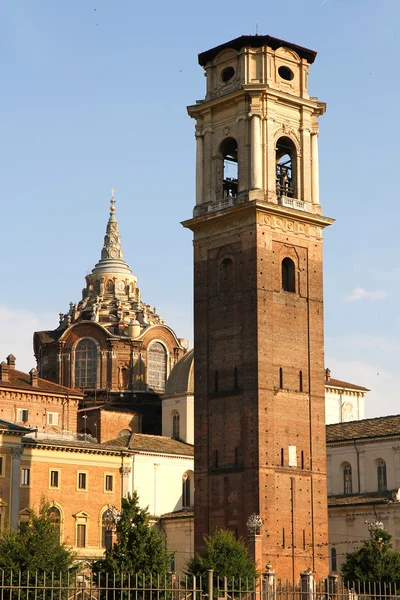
(256, 41)
(111, 260)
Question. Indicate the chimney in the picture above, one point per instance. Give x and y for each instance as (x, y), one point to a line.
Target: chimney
(327, 374)
(3, 371)
(34, 377)
(11, 361)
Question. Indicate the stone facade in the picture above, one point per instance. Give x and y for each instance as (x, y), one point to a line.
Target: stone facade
(258, 317)
(363, 459)
(343, 401)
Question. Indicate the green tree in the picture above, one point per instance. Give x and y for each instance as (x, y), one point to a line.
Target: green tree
(36, 546)
(373, 561)
(227, 556)
(139, 548)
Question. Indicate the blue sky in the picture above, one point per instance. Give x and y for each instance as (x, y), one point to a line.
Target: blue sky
(93, 97)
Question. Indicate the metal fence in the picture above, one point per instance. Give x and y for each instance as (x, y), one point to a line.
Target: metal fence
(85, 585)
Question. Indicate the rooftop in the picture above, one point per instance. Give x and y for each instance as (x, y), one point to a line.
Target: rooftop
(366, 428)
(22, 381)
(256, 41)
(357, 499)
(153, 443)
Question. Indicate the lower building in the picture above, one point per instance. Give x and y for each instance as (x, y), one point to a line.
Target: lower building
(363, 462)
(80, 480)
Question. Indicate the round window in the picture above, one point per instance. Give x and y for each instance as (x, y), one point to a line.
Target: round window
(227, 74)
(286, 73)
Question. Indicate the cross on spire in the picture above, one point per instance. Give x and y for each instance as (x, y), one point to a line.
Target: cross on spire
(112, 207)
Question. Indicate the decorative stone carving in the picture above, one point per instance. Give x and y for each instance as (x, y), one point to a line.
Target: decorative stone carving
(17, 452)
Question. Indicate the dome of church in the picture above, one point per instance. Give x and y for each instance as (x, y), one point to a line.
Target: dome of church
(181, 379)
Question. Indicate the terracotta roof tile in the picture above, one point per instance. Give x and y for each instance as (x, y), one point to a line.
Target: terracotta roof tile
(344, 384)
(20, 380)
(159, 443)
(153, 443)
(179, 514)
(368, 498)
(366, 428)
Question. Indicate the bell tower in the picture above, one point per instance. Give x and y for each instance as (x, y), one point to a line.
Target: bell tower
(258, 303)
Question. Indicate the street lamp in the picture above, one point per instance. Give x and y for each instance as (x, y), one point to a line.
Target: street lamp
(374, 526)
(254, 524)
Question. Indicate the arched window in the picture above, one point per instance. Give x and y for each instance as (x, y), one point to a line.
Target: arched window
(347, 478)
(156, 366)
(226, 275)
(381, 473)
(286, 168)
(55, 517)
(175, 425)
(187, 489)
(106, 531)
(333, 560)
(229, 152)
(86, 364)
(288, 275)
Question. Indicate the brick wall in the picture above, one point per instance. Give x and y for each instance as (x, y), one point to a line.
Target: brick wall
(246, 330)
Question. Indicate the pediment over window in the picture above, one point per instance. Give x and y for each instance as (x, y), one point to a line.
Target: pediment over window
(81, 515)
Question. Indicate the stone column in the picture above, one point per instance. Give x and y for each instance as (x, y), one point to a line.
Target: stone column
(328, 474)
(256, 163)
(361, 462)
(199, 168)
(255, 545)
(16, 454)
(270, 158)
(396, 450)
(269, 588)
(125, 476)
(333, 586)
(315, 168)
(307, 585)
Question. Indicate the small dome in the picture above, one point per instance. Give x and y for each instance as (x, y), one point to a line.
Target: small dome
(181, 380)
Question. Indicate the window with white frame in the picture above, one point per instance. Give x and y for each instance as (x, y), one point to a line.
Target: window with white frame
(54, 478)
(52, 418)
(22, 414)
(82, 481)
(25, 476)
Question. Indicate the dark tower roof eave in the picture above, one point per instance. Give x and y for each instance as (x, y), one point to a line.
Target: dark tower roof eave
(256, 41)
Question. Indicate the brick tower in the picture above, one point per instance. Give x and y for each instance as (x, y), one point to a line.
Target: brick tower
(258, 304)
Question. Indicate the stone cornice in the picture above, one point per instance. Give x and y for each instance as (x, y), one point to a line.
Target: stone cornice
(253, 207)
(260, 89)
(362, 441)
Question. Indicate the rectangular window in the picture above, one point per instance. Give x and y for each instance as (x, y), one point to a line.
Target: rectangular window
(1, 466)
(81, 536)
(54, 479)
(82, 481)
(52, 418)
(25, 476)
(22, 414)
(109, 483)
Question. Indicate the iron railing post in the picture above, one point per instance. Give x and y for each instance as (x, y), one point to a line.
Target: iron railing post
(210, 578)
